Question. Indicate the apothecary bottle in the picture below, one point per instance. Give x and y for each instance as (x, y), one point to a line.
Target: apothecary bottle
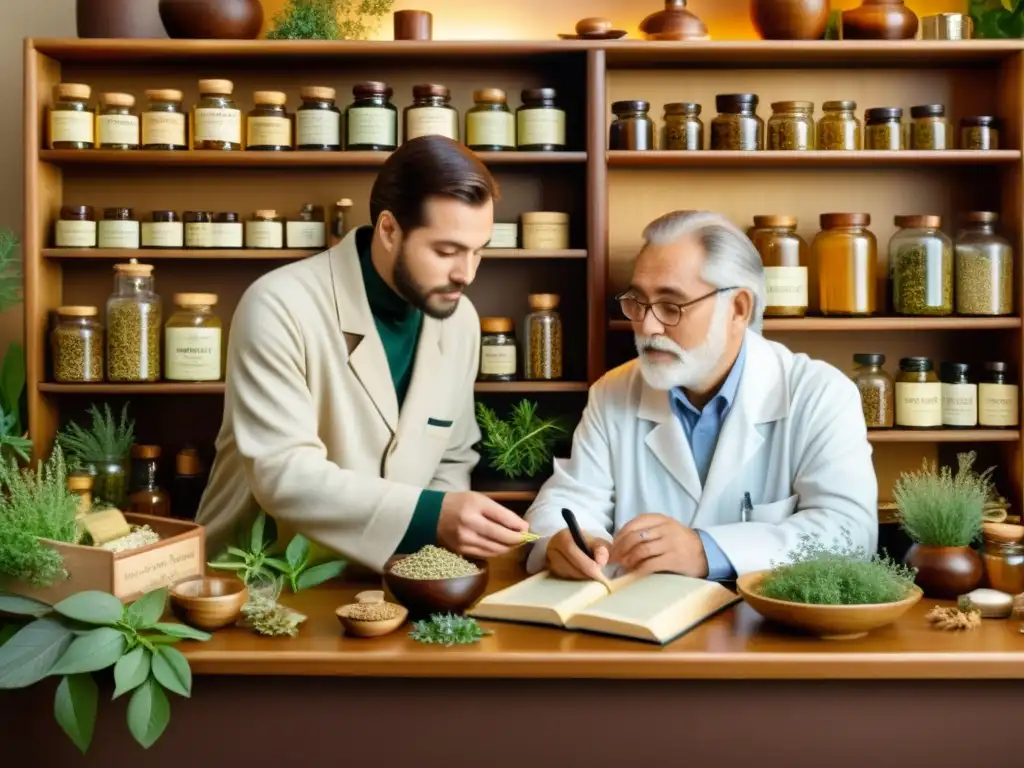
(134, 321)
(877, 390)
(264, 230)
(791, 126)
(77, 345)
(371, 120)
(998, 398)
(929, 128)
(342, 218)
(117, 126)
(683, 127)
(163, 230)
(268, 128)
(540, 122)
(164, 124)
(118, 229)
(921, 267)
(498, 352)
(632, 128)
(72, 124)
(784, 256)
(146, 496)
(431, 113)
(839, 127)
(76, 227)
(959, 397)
(918, 395)
(984, 267)
(217, 120)
(737, 125)
(199, 229)
(979, 132)
(543, 354)
(308, 229)
(490, 124)
(227, 230)
(883, 128)
(846, 254)
(318, 120)
(192, 339)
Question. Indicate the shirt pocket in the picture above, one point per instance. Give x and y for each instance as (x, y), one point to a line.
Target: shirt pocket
(438, 429)
(775, 512)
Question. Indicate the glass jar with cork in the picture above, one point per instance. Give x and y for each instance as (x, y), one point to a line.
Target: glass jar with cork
(318, 120)
(540, 122)
(342, 218)
(683, 130)
(877, 390)
(921, 267)
(784, 256)
(77, 345)
(117, 126)
(164, 125)
(264, 230)
(431, 113)
(192, 339)
(846, 253)
(371, 120)
(918, 395)
(72, 124)
(498, 355)
(133, 325)
(216, 119)
(490, 124)
(268, 127)
(76, 227)
(543, 354)
(984, 267)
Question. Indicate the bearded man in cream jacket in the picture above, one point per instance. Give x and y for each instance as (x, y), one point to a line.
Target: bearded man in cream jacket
(714, 451)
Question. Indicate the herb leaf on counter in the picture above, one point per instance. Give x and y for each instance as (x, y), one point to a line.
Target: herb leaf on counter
(447, 630)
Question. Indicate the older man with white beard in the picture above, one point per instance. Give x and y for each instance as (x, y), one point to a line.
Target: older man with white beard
(715, 451)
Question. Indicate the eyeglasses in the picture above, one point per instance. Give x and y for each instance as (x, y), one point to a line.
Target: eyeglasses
(666, 312)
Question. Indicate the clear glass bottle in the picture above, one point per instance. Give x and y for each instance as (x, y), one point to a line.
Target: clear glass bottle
(216, 119)
(309, 229)
(632, 128)
(76, 227)
(147, 497)
(268, 127)
(118, 229)
(77, 345)
(929, 128)
(431, 113)
(498, 355)
(164, 123)
(784, 256)
(846, 254)
(199, 229)
(109, 479)
(921, 267)
(133, 325)
(490, 124)
(72, 124)
(227, 230)
(683, 127)
(540, 122)
(883, 128)
(877, 390)
(791, 126)
(959, 397)
(189, 482)
(979, 132)
(264, 230)
(918, 395)
(737, 125)
(192, 339)
(984, 267)
(163, 230)
(117, 126)
(839, 127)
(998, 398)
(318, 120)
(543, 353)
(371, 120)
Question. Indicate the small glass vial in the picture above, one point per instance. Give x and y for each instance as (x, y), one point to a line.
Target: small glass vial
(118, 229)
(876, 387)
(147, 497)
(918, 395)
(883, 128)
(117, 127)
(264, 230)
(979, 132)
(192, 339)
(737, 126)
(784, 256)
(77, 345)
(72, 123)
(633, 128)
(342, 218)
(318, 120)
(921, 267)
(498, 355)
(430, 114)
(791, 126)
(217, 121)
(133, 325)
(998, 399)
(80, 483)
(163, 230)
(269, 126)
(76, 227)
(959, 397)
(309, 230)
(199, 229)
(371, 120)
(839, 127)
(490, 124)
(164, 125)
(984, 267)
(227, 231)
(929, 128)
(543, 354)
(540, 122)
(683, 127)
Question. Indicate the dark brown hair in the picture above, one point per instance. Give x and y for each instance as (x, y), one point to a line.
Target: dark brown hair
(426, 167)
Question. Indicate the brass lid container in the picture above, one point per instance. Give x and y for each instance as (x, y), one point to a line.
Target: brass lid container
(775, 220)
(216, 87)
(118, 99)
(918, 221)
(496, 324)
(792, 106)
(429, 90)
(830, 220)
(80, 482)
(981, 217)
(947, 26)
(839, 106)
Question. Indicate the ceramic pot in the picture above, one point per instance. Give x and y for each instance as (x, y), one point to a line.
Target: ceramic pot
(118, 18)
(212, 19)
(673, 23)
(879, 20)
(790, 19)
(945, 572)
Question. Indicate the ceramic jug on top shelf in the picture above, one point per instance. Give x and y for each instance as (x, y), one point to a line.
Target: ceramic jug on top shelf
(673, 23)
(879, 20)
(790, 19)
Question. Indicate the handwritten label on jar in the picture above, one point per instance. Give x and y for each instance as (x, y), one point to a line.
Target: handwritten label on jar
(163, 234)
(786, 286)
(545, 237)
(427, 121)
(264, 234)
(199, 234)
(269, 132)
(72, 126)
(192, 354)
(317, 128)
(998, 405)
(163, 129)
(918, 404)
(227, 235)
(490, 129)
(540, 126)
(118, 234)
(372, 125)
(119, 129)
(219, 125)
(307, 234)
(960, 405)
(497, 361)
(75, 234)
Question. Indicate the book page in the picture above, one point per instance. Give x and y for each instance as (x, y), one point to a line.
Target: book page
(541, 598)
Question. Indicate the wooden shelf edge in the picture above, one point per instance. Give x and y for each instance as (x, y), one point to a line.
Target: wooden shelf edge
(853, 324)
(530, 386)
(217, 388)
(249, 159)
(705, 158)
(523, 253)
(210, 254)
(510, 495)
(944, 436)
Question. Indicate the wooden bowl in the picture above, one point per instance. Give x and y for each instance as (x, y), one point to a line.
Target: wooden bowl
(424, 597)
(209, 602)
(357, 628)
(829, 622)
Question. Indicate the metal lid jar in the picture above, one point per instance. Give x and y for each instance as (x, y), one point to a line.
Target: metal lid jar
(540, 122)
(839, 127)
(876, 389)
(737, 125)
(846, 253)
(883, 128)
(984, 267)
(784, 256)
(791, 126)
(683, 127)
(929, 128)
(632, 128)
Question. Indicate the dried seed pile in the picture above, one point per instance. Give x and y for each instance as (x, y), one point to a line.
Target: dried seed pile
(77, 356)
(133, 342)
(545, 361)
(140, 537)
(918, 292)
(433, 563)
(984, 281)
(371, 611)
(878, 404)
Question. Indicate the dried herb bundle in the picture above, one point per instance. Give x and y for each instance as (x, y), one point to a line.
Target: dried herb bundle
(524, 444)
(105, 440)
(447, 630)
(953, 618)
(940, 509)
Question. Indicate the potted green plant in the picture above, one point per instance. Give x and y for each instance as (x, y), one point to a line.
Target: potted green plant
(13, 441)
(996, 19)
(943, 513)
(103, 452)
(329, 19)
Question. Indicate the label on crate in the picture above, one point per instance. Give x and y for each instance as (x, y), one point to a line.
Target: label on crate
(490, 129)
(269, 132)
(540, 126)
(960, 405)
(219, 125)
(497, 361)
(998, 405)
(318, 128)
(372, 125)
(786, 286)
(75, 234)
(72, 126)
(918, 405)
(162, 566)
(163, 128)
(162, 234)
(307, 234)
(192, 354)
(428, 121)
(118, 129)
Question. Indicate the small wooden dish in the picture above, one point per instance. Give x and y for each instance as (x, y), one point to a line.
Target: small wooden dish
(209, 602)
(359, 628)
(611, 34)
(424, 597)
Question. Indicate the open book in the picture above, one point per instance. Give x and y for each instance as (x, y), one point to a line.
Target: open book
(658, 607)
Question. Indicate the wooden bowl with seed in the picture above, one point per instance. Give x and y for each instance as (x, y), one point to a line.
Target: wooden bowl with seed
(360, 619)
(424, 597)
(209, 602)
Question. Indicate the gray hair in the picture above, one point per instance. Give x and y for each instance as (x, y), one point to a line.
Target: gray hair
(730, 258)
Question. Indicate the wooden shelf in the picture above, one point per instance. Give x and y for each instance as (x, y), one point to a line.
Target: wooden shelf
(522, 253)
(808, 159)
(511, 495)
(204, 254)
(858, 324)
(539, 387)
(217, 388)
(944, 436)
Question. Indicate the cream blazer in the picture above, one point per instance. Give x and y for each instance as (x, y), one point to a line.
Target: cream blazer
(312, 432)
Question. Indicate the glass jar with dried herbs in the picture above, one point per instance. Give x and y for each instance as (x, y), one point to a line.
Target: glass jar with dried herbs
(632, 128)
(929, 128)
(192, 339)
(72, 124)
(921, 267)
(683, 127)
(543, 355)
(979, 132)
(984, 267)
(117, 126)
(133, 325)
(102, 451)
(737, 125)
(77, 344)
(877, 390)
(846, 253)
(164, 125)
(784, 256)
(883, 128)
(791, 126)
(216, 119)
(498, 351)
(268, 127)
(839, 127)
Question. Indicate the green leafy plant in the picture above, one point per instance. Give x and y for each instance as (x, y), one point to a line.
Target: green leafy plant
(447, 630)
(13, 442)
(92, 631)
(997, 19)
(522, 445)
(105, 440)
(837, 575)
(941, 509)
(329, 19)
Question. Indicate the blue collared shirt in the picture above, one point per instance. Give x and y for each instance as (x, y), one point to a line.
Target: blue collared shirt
(702, 428)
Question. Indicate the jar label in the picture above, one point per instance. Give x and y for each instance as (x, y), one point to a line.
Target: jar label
(545, 237)
(490, 129)
(427, 121)
(163, 128)
(227, 235)
(264, 234)
(998, 405)
(918, 404)
(119, 129)
(269, 132)
(72, 126)
(118, 234)
(163, 234)
(76, 234)
(497, 361)
(786, 286)
(307, 234)
(318, 128)
(219, 125)
(192, 354)
(540, 126)
(960, 405)
(372, 125)
(198, 234)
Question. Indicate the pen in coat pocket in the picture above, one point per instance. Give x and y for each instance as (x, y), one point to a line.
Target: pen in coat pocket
(746, 508)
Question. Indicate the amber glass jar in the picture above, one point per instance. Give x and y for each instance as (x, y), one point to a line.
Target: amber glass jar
(921, 267)
(683, 127)
(269, 126)
(839, 127)
(318, 120)
(216, 120)
(192, 339)
(984, 267)
(490, 124)
(431, 113)
(371, 120)
(72, 123)
(784, 255)
(846, 254)
(540, 122)
(737, 126)
(76, 227)
(929, 128)
(117, 126)
(632, 127)
(199, 229)
(877, 390)
(118, 229)
(164, 125)
(77, 345)
(979, 132)
(1004, 565)
(147, 497)
(791, 126)
(918, 395)
(883, 128)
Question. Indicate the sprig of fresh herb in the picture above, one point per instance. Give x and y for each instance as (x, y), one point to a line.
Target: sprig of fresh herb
(328, 19)
(942, 509)
(448, 630)
(105, 440)
(997, 19)
(524, 444)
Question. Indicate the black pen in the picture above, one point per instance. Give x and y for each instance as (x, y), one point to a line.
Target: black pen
(574, 529)
(746, 508)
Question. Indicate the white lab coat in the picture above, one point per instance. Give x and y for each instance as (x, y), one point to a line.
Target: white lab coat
(795, 439)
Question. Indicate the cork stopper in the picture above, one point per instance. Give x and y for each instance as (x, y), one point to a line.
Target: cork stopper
(320, 92)
(918, 222)
(118, 99)
(543, 301)
(145, 451)
(496, 324)
(775, 220)
(72, 91)
(134, 269)
(270, 98)
(266, 215)
(77, 311)
(344, 203)
(165, 94)
(490, 96)
(187, 462)
(195, 299)
(80, 482)
(217, 87)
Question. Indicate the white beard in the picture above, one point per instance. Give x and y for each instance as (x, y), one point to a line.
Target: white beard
(692, 368)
